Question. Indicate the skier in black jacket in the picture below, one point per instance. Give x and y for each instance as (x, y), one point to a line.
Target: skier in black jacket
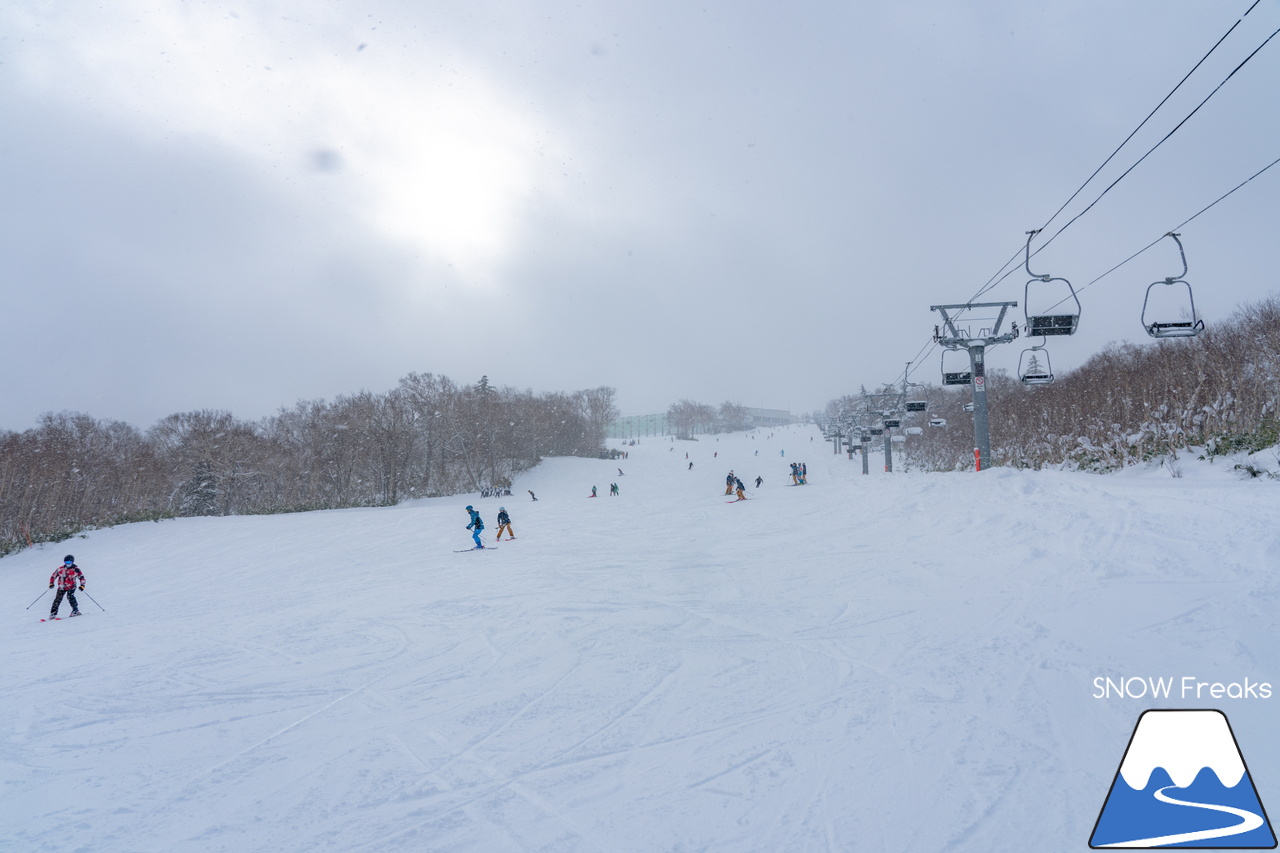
(504, 523)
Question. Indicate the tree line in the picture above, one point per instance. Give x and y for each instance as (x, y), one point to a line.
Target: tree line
(426, 437)
(1128, 403)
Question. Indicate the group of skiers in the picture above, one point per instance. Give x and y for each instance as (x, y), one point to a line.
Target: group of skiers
(477, 524)
(68, 576)
(732, 484)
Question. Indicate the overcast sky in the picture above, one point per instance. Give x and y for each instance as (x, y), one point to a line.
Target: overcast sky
(238, 206)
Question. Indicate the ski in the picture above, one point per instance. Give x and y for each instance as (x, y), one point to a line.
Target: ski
(738, 501)
(53, 619)
(485, 548)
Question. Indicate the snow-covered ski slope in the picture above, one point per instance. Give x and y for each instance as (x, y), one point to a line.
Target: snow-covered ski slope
(897, 662)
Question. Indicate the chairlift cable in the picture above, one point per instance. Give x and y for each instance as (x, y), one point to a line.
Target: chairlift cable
(1161, 142)
(1003, 274)
(1143, 123)
(931, 345)
(1179, 226)
(998, 278)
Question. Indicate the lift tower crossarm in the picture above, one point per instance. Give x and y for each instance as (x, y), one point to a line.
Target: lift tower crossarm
(955, 340)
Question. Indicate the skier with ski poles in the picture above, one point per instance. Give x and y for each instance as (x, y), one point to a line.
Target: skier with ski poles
(66, 576)
(504, 523)
(475, 526)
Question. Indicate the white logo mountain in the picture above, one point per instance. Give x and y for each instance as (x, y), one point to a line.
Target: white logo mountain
(1183, 743)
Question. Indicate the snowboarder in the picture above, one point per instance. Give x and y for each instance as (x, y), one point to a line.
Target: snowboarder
(620, 474)
(66, 577)
(475, 526)
(593, 491)
(504, 523)
(532, 495)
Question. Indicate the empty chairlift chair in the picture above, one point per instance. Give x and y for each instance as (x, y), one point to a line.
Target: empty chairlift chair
(1178, 312)
(1034, 367)
(1052, 308)
(956, 368)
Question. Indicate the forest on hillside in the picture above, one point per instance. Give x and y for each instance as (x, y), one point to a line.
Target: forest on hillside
(427, 436)
(1218, 391)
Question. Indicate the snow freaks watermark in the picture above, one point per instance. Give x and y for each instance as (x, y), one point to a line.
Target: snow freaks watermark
(1183, 782)
(1187, 687)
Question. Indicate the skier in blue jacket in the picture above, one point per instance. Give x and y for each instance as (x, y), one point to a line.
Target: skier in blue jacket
(475, 526)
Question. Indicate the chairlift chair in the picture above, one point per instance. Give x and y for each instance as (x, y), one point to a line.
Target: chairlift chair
(937, 422)
(1188, 325)
(954, 376)
(1046, 322)
(917, 405)
(1034, 367)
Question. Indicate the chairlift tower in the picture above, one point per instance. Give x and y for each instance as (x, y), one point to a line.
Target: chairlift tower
(888, 407)
(953, 337)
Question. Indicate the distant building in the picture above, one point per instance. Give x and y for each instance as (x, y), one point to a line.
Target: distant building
(645, 426)
(639, 426)
(769, 417)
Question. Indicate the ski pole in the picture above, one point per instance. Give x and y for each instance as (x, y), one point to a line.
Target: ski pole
(90, 597)
(33, 604)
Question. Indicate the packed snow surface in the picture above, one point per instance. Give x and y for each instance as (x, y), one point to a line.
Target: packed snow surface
(894, 662)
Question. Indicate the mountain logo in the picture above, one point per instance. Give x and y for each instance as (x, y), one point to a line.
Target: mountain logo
(1183, 783)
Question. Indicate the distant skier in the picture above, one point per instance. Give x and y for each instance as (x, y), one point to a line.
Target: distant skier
(804, 474)
(593, 491)
(620, 474)
(475, 526)
(613, 490)
(531, 494)
(504, 523)
(759, 480)
(690, 466)
(66, 577)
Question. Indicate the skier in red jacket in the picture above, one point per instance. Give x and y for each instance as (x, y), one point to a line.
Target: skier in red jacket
(66, 576)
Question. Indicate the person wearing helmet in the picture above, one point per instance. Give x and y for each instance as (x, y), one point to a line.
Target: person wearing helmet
(475, 526)
(504, 523)
(66, 576)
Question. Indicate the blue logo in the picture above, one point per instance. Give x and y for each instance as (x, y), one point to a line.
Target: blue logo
(1183, 783)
